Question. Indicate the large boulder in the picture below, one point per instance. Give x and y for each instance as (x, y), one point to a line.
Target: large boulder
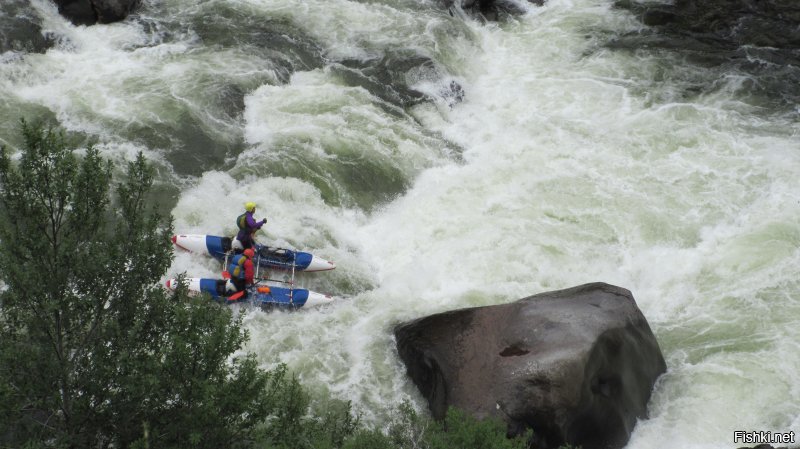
(576, 365)
(90, 12)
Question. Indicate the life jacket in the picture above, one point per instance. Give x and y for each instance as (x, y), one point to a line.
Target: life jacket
(241, 221)
(236, 266)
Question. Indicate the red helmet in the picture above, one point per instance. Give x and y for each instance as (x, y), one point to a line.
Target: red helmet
(249, 253)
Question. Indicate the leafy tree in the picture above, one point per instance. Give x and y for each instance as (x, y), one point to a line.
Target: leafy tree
(334, 423)
(458, 430)
(409, 429)
(462, 430)
(294, 423)
(93, 352)
(370, 439)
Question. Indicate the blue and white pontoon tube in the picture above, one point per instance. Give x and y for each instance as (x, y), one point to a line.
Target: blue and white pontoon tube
(263, 295)
(266, 257)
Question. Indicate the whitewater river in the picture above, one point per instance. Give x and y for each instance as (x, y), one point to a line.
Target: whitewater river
(558, 161)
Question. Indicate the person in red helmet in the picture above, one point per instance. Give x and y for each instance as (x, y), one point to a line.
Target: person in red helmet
(241, 269)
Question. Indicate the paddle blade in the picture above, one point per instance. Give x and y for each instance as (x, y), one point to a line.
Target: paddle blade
(236, 296)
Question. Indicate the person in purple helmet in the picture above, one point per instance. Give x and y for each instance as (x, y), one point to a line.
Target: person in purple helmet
(248, 225)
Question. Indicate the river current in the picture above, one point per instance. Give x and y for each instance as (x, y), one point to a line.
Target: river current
(445, 162)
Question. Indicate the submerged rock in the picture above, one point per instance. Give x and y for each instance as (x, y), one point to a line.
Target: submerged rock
(722, 25)
(392, 77)
(757, 40)
(576, 365)
(493, 10)
(90, 12)
(768, 446)
(761, 23)
(21, 28)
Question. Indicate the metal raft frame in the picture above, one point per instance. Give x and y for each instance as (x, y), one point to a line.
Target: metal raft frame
(256, 275)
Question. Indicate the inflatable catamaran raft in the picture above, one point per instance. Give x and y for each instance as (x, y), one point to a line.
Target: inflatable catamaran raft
(265, 258)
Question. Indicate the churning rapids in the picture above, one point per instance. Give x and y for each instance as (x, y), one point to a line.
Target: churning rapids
(444, 162)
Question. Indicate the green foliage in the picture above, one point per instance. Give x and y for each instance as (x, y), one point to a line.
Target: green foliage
(369, 439)
(409, 429)
(294, 424)
(458, 430)
(462, 430)
(331, 424)
(93, 352)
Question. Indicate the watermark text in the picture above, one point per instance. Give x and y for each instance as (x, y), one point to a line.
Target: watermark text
(763, 437)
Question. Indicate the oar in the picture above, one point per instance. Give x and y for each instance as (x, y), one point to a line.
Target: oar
(236, 296)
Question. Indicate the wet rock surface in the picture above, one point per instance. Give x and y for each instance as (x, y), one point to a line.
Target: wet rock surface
(21, 28)
(492, 10)
(576, 365)
(726, 23)
(757, 41)
(90, 12)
